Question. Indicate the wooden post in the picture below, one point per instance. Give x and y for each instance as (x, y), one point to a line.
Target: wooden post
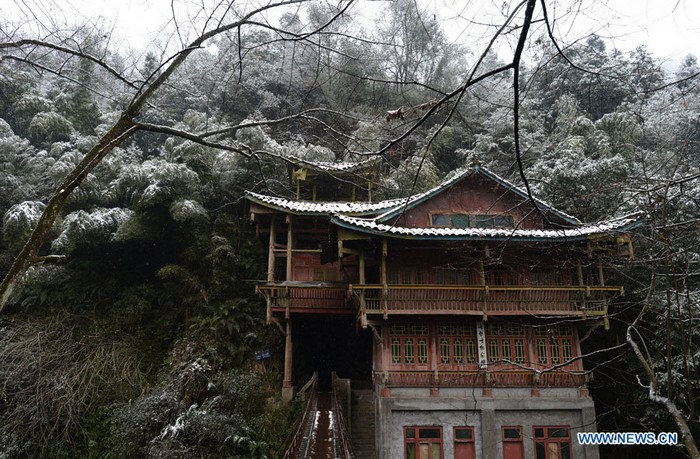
(289, 247)
(433, 340)
(579, 268)
(313, 192)
(363, 304)
(385, 252)
(271, 252)
(383, 280)
(287, 389)
(601, 278)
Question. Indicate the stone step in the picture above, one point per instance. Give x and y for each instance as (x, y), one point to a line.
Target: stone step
(362, 424)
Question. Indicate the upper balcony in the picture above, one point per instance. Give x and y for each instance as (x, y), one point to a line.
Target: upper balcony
(385, 300)
(483, 299)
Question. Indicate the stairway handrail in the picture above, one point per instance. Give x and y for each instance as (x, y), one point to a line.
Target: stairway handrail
(346, 451)
(294, 441)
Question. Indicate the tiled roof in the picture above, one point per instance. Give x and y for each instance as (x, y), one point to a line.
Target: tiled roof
(374, 226)
(325, 166)
(480, 170)
(325, 207)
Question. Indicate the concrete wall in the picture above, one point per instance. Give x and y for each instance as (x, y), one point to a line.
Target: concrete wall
(486, 414)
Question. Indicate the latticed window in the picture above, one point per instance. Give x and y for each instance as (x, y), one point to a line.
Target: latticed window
(505, 342)
(409, 344)
(554, 344)
(457, 343)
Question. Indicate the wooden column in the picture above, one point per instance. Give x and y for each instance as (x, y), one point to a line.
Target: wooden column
(290, 244)
(287, 389)
(363, 304)
(579, 269)
(434, 356)
(383, 279)
(385, 252)
(271, 252)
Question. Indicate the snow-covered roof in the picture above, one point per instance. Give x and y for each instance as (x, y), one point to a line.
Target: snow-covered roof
(325, 207)
(327, 166)
(374, 226)
(482, 171)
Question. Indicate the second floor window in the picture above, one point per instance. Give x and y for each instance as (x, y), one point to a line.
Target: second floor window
(457, 344)
(505, 342)
(409, 344)
(554, 344)
(471, 220)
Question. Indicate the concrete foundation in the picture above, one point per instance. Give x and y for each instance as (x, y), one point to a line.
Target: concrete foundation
(486, 413)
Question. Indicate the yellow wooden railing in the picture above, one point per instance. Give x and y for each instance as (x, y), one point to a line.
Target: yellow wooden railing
(483, 299)
(438, 299)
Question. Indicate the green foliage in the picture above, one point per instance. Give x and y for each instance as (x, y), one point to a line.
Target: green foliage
(201, 412)
(48, 127)
(53, 375)
(19, 221)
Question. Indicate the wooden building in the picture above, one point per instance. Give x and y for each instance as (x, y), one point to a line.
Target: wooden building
(458, 309)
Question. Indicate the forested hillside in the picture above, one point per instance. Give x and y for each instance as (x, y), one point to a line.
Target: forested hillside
(131, 328)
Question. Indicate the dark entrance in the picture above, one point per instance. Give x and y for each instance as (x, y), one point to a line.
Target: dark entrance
(327, 344)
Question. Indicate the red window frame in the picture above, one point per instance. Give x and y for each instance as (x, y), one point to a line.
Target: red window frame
(512, 445)
(409, 346)
(554, 345)
(457, 346)
(415, 436)
(552, 442)
(506, 342)
(464, 446)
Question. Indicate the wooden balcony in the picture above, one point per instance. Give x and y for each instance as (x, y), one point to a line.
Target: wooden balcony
(483, 299)
(481, 378)
(307, 297)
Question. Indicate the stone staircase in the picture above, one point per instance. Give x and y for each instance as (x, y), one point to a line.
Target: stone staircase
(362, 424)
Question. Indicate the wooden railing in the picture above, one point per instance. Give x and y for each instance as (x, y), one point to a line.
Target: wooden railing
(341, 405)
(483, 299)
(294, 442)
(306, 297)
(481, 378)
(312, 297)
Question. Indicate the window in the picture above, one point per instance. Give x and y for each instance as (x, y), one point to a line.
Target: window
(512, 442)
(455, 276)
(505, 342)
(552, 442)
(554, 344)
(423, 442)
(409, 344)
(464, 443)
(471, 220)
(547, 276)
(457, 344)
(325, 275)
(501, 276)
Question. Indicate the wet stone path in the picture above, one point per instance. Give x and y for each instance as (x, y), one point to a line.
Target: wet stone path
(320, 432)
